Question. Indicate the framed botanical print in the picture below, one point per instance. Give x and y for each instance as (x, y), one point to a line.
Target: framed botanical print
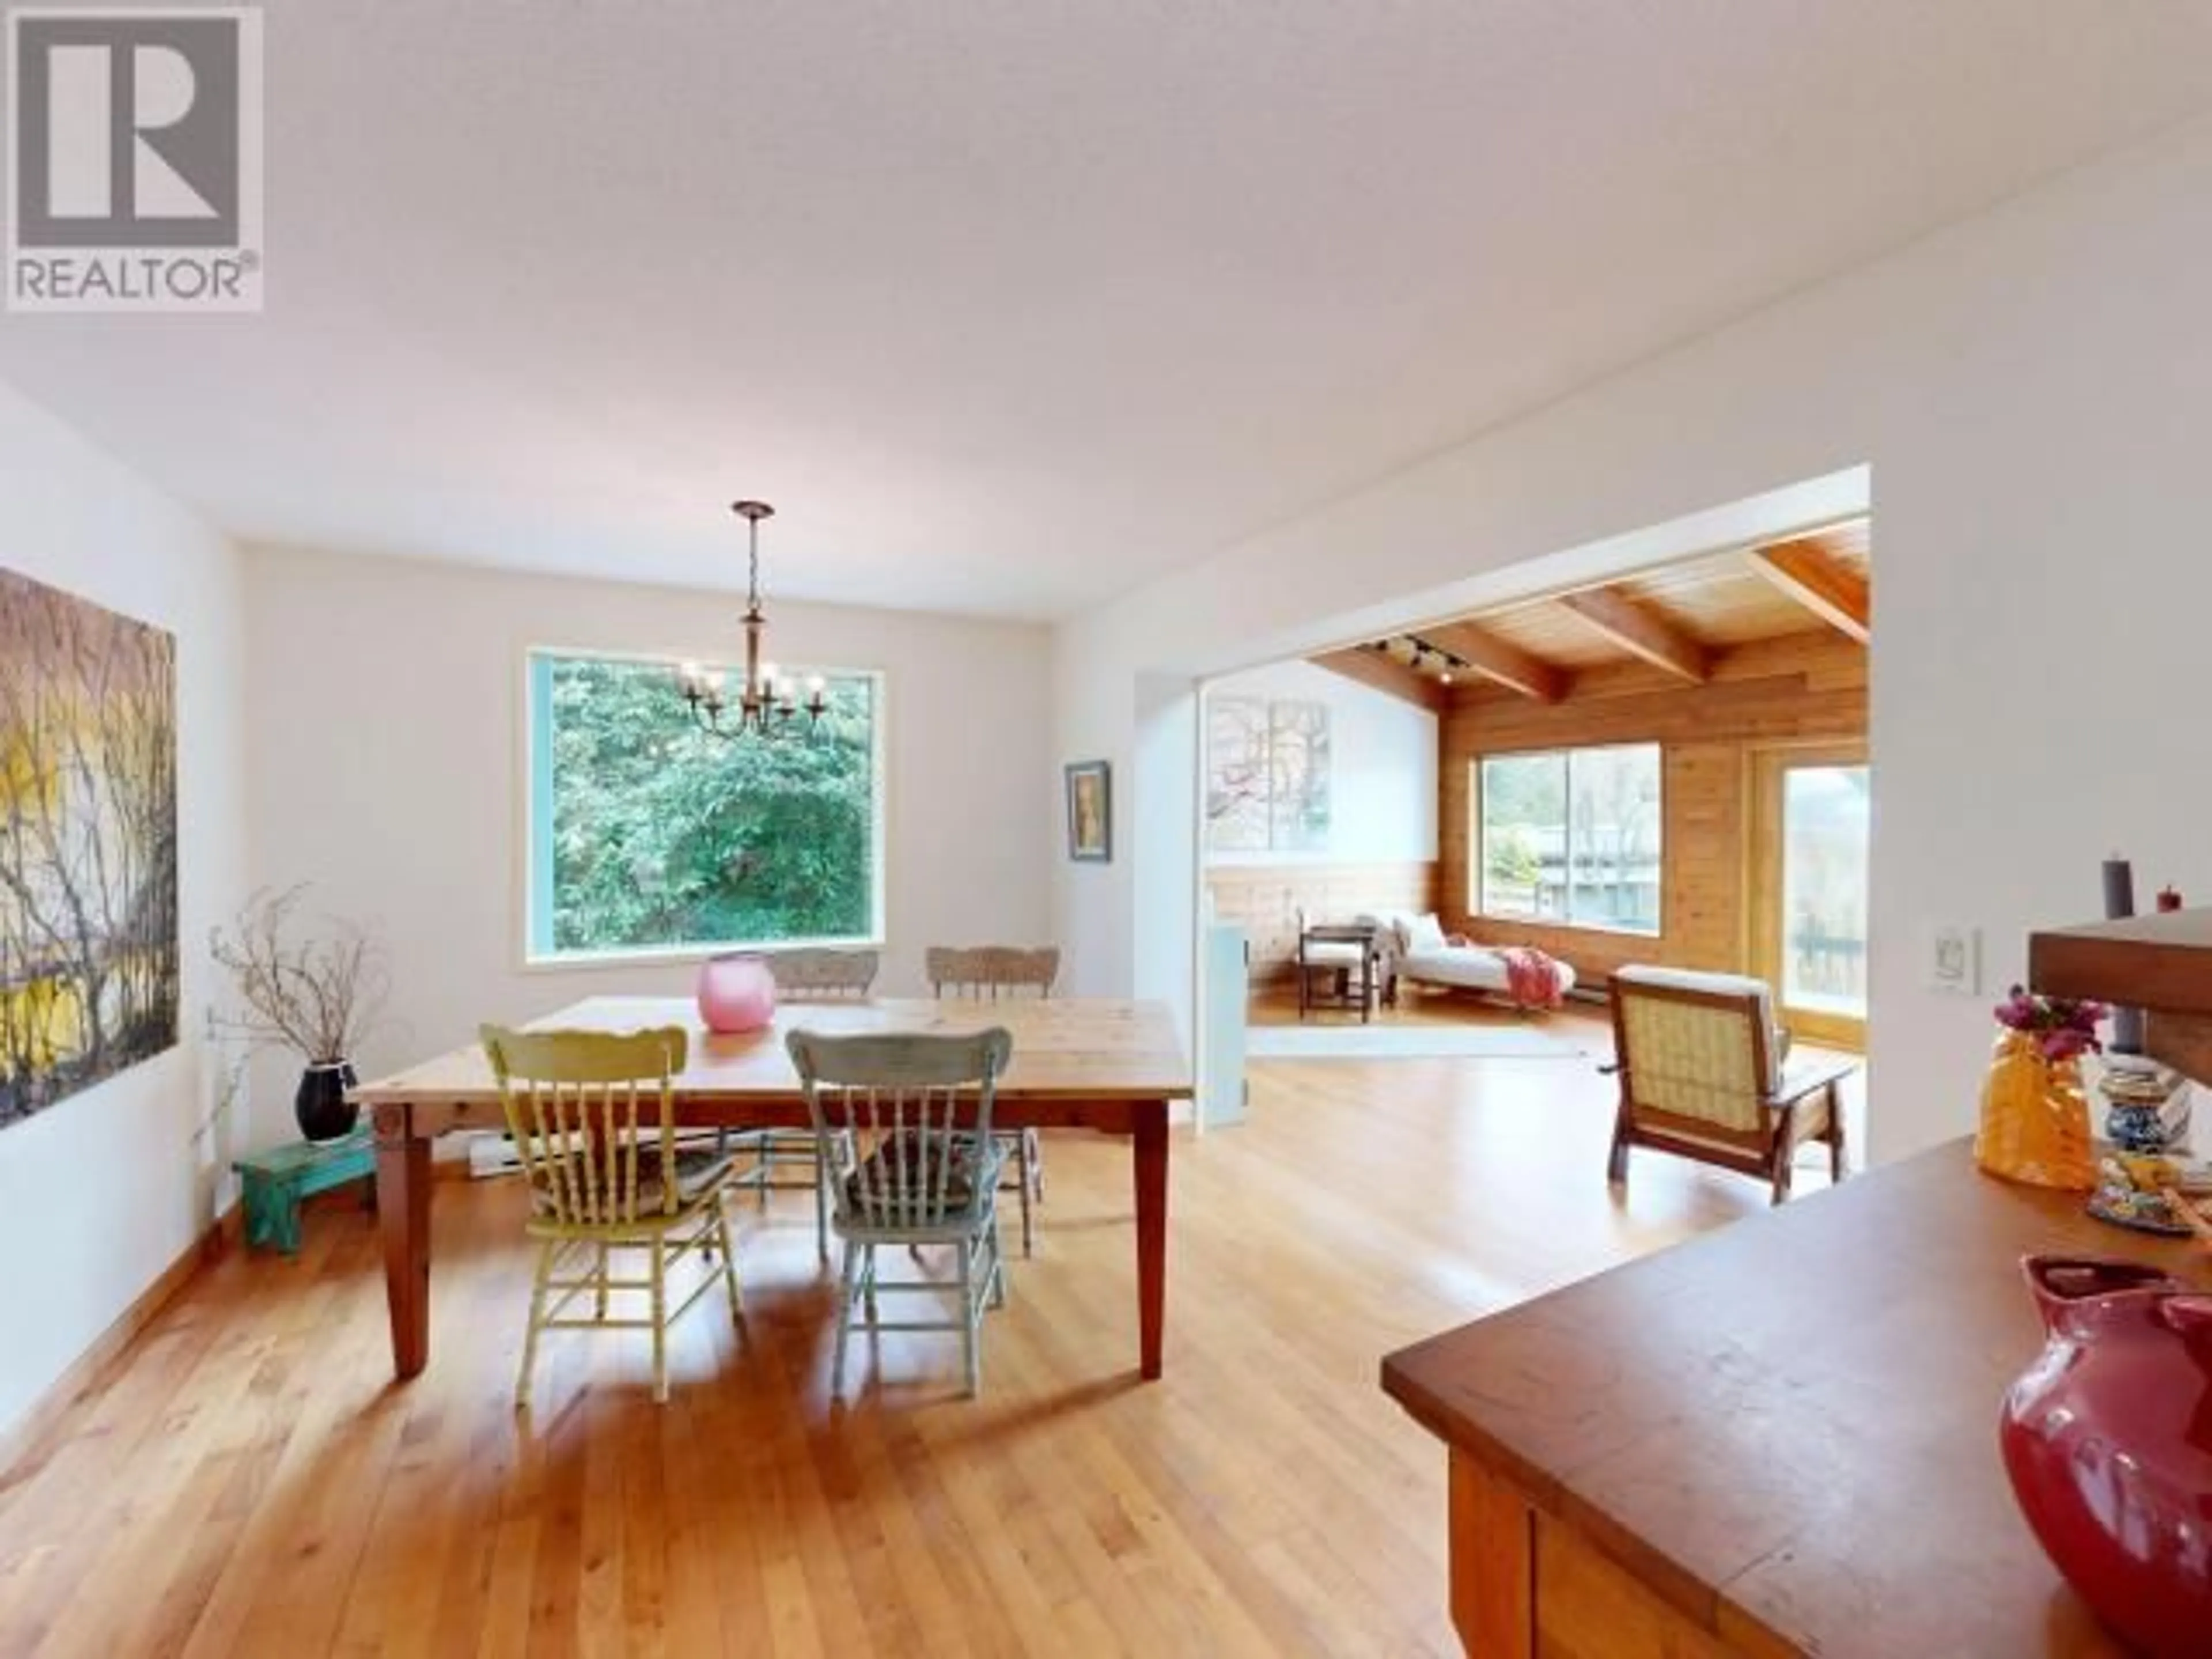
(1090, 812)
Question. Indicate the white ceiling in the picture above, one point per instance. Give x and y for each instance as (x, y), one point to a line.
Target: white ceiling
(1010, 304)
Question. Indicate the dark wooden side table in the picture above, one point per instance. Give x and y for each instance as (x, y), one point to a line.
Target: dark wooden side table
(276, 1181)
(1367, 935)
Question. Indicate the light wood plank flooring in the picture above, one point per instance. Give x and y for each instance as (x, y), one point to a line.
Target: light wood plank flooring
(246, 1480)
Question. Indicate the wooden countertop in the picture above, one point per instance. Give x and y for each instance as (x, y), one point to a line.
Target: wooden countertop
(1788, 1428)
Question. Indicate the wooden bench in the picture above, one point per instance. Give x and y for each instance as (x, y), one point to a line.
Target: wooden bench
(276, 1180)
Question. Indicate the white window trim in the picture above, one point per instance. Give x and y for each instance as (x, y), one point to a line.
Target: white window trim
(531, 961)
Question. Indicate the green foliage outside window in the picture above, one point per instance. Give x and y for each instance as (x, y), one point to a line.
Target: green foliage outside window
(649, 833)
(1512, 862)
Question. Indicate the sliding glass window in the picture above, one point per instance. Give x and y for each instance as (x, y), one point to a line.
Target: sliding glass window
(1572, 836)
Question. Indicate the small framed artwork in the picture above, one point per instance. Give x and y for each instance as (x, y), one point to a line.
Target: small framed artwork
(1090, 812)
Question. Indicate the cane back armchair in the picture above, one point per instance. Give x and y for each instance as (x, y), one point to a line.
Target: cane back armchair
(1703, 1071)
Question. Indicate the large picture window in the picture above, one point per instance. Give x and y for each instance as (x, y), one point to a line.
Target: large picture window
(649, 835)
(1573, 835)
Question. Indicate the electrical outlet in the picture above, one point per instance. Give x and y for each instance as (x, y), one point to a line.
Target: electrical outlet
(1955, 958)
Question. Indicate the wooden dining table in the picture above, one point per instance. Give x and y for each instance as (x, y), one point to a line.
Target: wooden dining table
(1078, 1062)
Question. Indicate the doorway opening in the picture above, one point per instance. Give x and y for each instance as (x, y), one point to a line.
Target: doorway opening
(1812, 823)
(1499, 810)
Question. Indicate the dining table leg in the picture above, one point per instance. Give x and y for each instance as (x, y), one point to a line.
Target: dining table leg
(402, 1203)
(1151, 1160)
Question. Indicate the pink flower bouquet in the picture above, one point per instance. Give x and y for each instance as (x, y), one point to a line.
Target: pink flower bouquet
(2063, 1027)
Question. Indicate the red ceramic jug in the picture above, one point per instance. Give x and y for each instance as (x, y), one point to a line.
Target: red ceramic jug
(2107, 1438)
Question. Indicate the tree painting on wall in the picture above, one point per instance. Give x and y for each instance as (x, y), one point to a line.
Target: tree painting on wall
(1236, 778)
(1297, 776)
(1267, 775)
(88, 948)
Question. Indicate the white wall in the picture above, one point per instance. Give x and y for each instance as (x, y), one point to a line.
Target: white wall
(102, 1192)
(2030, 390)
(386, 727)
(1382, 768)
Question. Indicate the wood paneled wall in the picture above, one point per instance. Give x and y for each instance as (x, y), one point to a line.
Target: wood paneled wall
(1803, 688)
(1266, 898)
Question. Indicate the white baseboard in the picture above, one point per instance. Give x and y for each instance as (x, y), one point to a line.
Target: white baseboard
(492, 1155)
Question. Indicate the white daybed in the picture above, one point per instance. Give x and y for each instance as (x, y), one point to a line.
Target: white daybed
(1424, 954)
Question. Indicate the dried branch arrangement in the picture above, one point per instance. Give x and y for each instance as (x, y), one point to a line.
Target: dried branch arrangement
(321, 996)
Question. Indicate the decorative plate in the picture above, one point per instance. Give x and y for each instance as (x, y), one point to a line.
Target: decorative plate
(2146, 1213)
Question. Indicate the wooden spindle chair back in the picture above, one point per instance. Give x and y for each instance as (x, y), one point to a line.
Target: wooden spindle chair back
(823, 971)
(916, 1105)
(984, 973)
(586, 1109)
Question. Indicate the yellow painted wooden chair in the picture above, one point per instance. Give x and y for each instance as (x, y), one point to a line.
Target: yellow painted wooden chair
(593, 1116)
(985, 973)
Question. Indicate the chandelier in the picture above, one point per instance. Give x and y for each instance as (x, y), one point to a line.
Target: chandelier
(765, 703)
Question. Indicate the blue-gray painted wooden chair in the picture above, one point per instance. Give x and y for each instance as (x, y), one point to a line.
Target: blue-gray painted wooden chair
(592, 1115)
(812, 973)
(985, 973)
(916, 1109)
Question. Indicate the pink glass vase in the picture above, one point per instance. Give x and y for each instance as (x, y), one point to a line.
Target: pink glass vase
(737, 991)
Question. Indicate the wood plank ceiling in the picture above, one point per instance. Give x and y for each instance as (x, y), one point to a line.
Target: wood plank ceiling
(1677, 619)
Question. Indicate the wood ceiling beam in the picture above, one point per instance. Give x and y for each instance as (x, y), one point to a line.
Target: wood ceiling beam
(1499, 660)
(1385, 674)
(1823, 584)
(1642, 633)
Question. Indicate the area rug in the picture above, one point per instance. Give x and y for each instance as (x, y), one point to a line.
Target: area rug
(1343, 1042)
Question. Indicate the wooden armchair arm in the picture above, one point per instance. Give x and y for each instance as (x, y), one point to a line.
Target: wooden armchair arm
(1810, 1082)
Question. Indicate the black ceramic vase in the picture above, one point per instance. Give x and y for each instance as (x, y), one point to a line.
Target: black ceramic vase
(321, 1105)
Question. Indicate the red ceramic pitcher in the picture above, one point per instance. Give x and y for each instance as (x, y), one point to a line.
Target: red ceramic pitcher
(2107, 1438)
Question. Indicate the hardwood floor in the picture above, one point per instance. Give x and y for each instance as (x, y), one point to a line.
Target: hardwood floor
(246, 1480)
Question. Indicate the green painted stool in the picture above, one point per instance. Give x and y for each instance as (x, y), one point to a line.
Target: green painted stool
(276, 1180)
